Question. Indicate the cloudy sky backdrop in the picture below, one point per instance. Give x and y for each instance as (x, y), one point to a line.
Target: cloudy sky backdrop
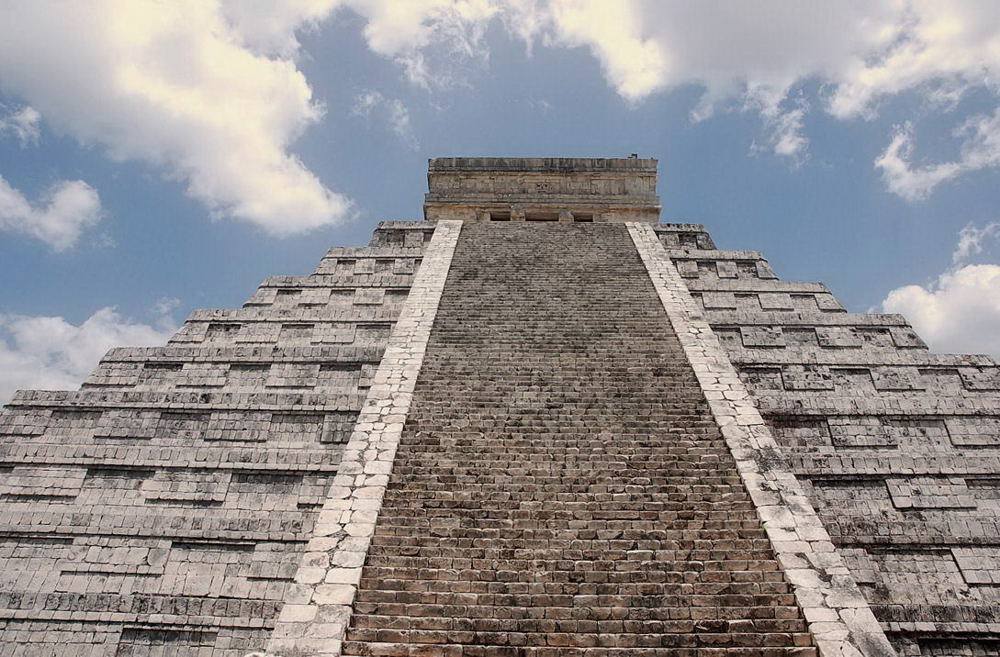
(160, 157)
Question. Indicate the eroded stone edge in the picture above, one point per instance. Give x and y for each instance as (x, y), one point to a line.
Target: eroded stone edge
(317, 607)
(839, 618)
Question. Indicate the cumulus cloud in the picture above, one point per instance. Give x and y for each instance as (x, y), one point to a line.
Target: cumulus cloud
(430, 39)
(859, 51)
(205, 91)
(58, 219)
(634, 62)
(395, 113)
(958, 312)
(942, 48)
(209, 92)
(269, 28)
(49, 353)
(22, 124)
(980, 150)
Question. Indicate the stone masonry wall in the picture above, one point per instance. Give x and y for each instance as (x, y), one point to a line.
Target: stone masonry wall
(601, 189)
(898, 448)
(162, 509)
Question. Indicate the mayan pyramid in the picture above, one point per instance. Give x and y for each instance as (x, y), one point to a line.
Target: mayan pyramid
(537, 423)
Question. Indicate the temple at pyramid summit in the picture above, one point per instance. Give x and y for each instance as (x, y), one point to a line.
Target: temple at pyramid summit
(539, 422)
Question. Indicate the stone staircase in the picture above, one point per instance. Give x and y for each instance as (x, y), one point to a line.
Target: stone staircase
(561, 487)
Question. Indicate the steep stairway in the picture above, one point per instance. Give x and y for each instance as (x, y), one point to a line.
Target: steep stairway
(561, 488)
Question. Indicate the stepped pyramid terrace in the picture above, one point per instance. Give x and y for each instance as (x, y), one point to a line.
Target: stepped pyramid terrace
(539, 422)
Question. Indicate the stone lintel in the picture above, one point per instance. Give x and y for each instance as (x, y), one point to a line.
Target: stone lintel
(561, 165)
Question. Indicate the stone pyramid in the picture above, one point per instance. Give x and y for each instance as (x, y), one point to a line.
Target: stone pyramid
(538, 423)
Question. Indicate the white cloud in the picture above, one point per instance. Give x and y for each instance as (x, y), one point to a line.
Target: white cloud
(901, 178)
(22, 124)
(958, 312)
(209, 92)
(942, 47)
(980, 149)
(395, 113)
(784, 126)
(49, 353)
(859, 51)
(636, 64)
(431, 39)
(743, 59)
(268, 28)
(970, 241)
(366, 102)
(206, 92)
(165, 305)
(58, 219)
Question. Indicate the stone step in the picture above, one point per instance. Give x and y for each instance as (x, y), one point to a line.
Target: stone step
(709, 265)
(92, 400)
(867, 462)
(922, 403)
(380, 251)
(519, 616)
(398, 276)
(754, 286)
(346, 354)
(463, 611)
(348, 314)
(46, 520)
(854, 357)
(402, 234)
(714, 255)
(685, 560)
(542, 531)
(572, 643)
(644, 577)
(336, 378)
(169, 426)
(684, 236)
(294, 458)
(722, 318)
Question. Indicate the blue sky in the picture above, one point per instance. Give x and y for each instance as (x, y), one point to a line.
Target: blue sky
(158, 158)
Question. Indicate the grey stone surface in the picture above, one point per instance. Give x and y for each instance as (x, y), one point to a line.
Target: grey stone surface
(542, 189)
(219, 495)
